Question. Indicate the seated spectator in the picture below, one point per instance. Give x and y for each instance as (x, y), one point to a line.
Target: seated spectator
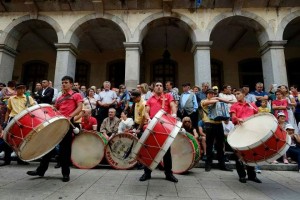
(294, 150)
(280, 104)
(87, 121)
(187, 126)
(109, 126)
(126, 123)
(202, 138)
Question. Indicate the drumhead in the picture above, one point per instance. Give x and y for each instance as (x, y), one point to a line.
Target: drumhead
(88, 149)
(43, 139)
(22, 114)
(253, 130)
(118, 152)
(183, 153)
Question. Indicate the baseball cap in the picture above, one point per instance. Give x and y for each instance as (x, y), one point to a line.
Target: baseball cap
(186, 84)
(135, 93)
(280, 114)
(20, 85)
(215, 88)
(289, 126)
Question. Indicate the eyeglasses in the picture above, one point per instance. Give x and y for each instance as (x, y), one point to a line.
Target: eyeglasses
(187, 121)
(158, 85)
(123, 88)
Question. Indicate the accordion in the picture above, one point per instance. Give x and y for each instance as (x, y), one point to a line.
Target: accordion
(218, 112)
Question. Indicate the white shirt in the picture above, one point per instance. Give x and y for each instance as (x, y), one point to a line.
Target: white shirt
(227, 127)
(127, 124)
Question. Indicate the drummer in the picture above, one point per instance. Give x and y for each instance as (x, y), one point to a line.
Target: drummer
(15, 105)
(70, 105)
(240, 111)
(158, 101)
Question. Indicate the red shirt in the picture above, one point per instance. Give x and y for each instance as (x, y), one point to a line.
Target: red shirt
(88, 124)
(66, 105)
(243, 110)
(156, 103)
(282, 102)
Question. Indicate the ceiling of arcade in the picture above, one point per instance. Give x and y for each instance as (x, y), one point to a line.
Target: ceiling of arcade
(103, 35)
(78, 5)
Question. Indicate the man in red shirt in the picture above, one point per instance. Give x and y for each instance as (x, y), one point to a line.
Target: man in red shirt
(158, 101)
(240, 111)
(87, 121)
(69, 104)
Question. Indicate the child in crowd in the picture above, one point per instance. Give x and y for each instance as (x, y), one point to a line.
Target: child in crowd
(202, 138)
(264, 107)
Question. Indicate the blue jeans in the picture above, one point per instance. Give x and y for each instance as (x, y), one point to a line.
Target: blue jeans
(294, 153)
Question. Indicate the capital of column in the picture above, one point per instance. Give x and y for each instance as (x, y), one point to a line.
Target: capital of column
(67, 47)
(133, 46)
(201, 45)
(8, 50)
(272, 45)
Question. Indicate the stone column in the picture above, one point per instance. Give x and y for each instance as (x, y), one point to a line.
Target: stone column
(273, 63)
(132, 64)
(7, 61)
(65, 62)
(201, 51)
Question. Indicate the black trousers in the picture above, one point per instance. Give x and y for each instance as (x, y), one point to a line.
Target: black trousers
(214, 135)
(240, 168)
(167, 164)
(64, 156)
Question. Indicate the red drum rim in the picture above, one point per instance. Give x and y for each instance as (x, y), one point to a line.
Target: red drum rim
(255, 144)
(44, 125)
(107, 146)
(165, 146)
(22, 114)
(277, 155)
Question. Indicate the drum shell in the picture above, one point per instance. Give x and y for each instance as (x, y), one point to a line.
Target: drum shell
(36, 131)
(271, 146)
(88, 149)
(156, 139)
(116, 149)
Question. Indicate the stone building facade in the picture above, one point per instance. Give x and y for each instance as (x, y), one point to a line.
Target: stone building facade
(232, 42)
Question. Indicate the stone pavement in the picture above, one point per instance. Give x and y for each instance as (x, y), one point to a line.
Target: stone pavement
(106, 183)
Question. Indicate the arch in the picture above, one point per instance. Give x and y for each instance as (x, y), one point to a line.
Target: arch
(142, 28)
(261, 27)
(284, 22)
(71, 36)
(11, 39)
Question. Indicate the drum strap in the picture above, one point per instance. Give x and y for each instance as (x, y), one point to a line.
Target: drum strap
(252, 107)
(163, 102)
(65, 98)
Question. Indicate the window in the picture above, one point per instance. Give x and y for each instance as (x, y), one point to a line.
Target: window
(293, 71)
(33, 72)
(216, 73)
(82, 72)
(116, 72)
(164, 70)
(250, 72)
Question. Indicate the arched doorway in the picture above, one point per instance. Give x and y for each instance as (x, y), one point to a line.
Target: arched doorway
(250, 72)
(235, 38)
(292, 48)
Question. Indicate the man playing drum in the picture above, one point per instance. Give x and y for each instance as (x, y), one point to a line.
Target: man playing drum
(15, 105)
(240, 111)
(69, 105)
(156, 102)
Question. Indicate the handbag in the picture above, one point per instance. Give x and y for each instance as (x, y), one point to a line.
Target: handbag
(93, 111)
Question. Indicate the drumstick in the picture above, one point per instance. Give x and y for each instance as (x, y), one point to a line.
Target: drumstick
(75, 129)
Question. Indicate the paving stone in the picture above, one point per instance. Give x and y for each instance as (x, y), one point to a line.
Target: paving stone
(130, 189)
(162, 191)
(63, 195)
(213, 184)
(192, 192)
(221, 193)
